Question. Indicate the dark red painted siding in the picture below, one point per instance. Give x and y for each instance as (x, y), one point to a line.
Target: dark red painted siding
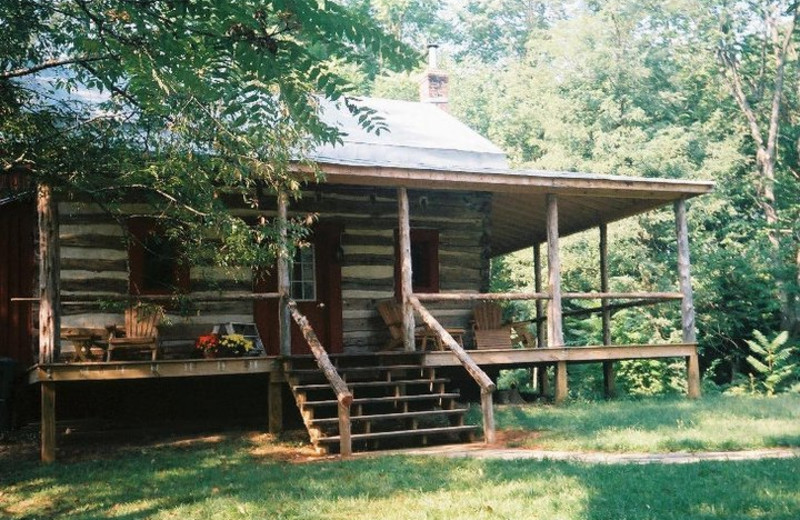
(17, 227)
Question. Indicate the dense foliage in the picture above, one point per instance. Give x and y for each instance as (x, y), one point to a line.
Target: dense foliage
(682, 89)
(189, 106)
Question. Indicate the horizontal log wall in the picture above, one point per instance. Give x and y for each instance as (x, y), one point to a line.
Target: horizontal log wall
(94, 266)
(369, 219)
(94, 258)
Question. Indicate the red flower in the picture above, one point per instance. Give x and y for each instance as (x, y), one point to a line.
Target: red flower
(207, 342)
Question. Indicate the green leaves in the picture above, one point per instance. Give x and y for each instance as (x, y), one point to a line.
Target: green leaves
(199, 99)
(773, 367)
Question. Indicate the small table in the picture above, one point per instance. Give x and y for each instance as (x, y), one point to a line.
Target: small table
(83, 339)
(458, 335)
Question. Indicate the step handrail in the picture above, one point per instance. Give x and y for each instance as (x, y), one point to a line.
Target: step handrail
(484, 381)
(343, 394)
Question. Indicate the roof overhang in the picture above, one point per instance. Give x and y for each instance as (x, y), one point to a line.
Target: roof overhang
(518, 205)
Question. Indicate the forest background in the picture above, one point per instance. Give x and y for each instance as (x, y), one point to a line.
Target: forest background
(680, 89)
(691, 89)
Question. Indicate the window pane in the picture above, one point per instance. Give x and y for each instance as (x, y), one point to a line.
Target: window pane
(303, 279)
(159, 268)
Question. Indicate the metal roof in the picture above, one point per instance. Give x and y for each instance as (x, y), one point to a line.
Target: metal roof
(419, 135)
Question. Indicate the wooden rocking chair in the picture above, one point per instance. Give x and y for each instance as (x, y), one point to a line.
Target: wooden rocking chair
(491, 333)
(392, 314)
(140, 334)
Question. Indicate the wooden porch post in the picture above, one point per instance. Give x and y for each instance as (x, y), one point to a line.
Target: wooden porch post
(275, 398)
(406, 279)
(284, 318)
(544, 383)
(555, 333)
(48, 447)
(49, 277)
(49, 313)
(609, 383)
(687, 303)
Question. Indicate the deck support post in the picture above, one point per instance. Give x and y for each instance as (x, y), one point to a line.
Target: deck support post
(541, 372)
(487, 409)
(49, 277)
(561, 382)
(687, 303)
(406, 279)
(284, 318)
(275, 398)
(48, 440)
(555, 332)
(609, 380)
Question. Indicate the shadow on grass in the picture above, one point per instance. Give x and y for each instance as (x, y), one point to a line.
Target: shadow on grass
(227, 481)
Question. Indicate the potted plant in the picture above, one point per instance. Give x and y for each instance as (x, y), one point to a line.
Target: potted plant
(235, 345)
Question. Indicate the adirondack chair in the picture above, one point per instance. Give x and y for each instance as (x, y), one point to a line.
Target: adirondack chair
(140, 334)
(491, 333)
(392, 314)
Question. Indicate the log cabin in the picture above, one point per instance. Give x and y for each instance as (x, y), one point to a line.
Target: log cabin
(412, 215)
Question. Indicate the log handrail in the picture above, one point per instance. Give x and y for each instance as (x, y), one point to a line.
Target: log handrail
(455, 296)
(159, 298)
(484, 381)
(343, 394)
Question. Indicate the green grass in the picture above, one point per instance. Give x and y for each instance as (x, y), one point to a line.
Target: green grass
(230, 481)
(240, 477)
(715, 422)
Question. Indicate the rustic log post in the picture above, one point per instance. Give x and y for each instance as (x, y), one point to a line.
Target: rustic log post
(48, 448)
(49, 277)
(561, 382)
(345, 437)
(487, 407)
(275, 396)
(406, 279)
(284, 319)
(609, 383)
(555, 333)
(687, 303)
(544, 383)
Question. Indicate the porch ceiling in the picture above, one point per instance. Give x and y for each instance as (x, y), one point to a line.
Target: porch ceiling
(518, 205)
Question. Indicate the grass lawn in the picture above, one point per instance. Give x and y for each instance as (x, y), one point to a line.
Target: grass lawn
(715, 422)
(246, 476)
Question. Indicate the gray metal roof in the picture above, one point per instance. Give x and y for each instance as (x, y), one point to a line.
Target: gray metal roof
(419, 135)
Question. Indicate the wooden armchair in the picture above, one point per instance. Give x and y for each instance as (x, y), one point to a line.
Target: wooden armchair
(392, 314)
(140, 334)
(491, 333)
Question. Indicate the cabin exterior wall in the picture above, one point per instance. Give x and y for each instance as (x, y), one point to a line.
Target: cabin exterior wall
(94, 258)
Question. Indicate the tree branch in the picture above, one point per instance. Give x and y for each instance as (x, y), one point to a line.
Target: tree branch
(777, 93)
(735, 82)
(50, 64)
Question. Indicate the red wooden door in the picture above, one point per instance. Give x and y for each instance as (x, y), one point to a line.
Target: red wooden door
(16, 280)
(316, 286)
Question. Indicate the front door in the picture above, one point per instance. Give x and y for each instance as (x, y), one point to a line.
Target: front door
(316, 285)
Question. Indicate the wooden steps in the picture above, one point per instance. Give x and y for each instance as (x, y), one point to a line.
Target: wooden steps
(396, 402)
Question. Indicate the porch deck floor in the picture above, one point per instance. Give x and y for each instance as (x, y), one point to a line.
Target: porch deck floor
(505, 358)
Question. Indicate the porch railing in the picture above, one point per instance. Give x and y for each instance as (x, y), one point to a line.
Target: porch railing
(480, 377)
(343, 394)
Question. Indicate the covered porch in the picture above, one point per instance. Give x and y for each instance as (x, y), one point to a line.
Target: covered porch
(527, 209)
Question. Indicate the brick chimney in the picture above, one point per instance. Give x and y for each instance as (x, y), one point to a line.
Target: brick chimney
(433, 88)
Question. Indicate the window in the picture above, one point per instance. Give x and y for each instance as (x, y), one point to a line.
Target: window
(302, 275)
(154, 260)
(424, 261)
